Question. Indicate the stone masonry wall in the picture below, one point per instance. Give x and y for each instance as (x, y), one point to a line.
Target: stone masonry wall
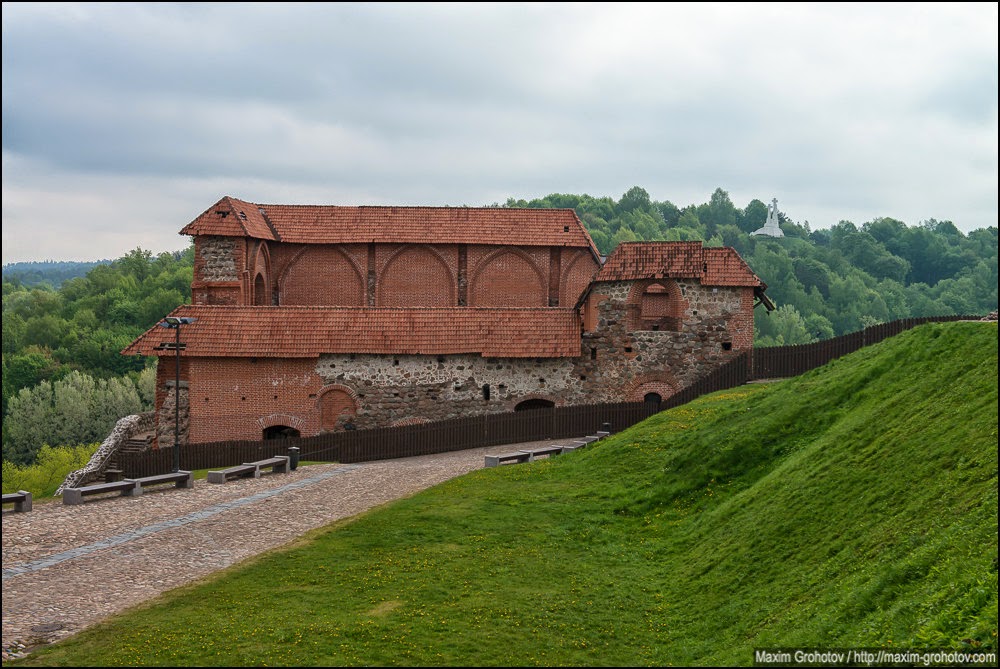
(218, 259)
(397, 389)
(621, 365)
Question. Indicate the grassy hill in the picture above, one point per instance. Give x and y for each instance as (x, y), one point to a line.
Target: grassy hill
(854, 506)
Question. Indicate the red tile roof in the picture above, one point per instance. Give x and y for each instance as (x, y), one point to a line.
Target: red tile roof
(307, 332)
(631, 261)
(321, 224)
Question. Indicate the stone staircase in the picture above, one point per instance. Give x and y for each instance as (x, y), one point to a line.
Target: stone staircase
(139, 443)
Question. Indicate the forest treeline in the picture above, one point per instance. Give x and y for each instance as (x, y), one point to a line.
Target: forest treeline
(61, 345)
(65, 381)
(826, 282)
(51, 272)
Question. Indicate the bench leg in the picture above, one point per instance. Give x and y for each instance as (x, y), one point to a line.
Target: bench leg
(72, 496)
(24, 504)
(187, 482)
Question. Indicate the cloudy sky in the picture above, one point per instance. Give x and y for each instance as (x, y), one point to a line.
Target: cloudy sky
(123, 122)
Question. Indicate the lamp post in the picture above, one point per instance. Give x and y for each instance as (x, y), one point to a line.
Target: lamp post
(175, 323)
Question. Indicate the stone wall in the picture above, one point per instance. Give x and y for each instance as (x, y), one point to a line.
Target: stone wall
(124, 429)
(217, 256)
(402, 388)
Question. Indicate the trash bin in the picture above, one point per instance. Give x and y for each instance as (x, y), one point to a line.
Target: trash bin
(606, 427)
(293, 457)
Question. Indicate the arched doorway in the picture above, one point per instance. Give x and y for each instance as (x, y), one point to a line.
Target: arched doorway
(529, 405)
(280, 432)
(652, 398)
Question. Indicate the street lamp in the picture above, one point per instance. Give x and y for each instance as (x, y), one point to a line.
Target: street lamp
(175, 323)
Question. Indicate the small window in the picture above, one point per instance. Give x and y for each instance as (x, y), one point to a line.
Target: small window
(727, 346)
(593, 354)
(628, 349)
(486, 392)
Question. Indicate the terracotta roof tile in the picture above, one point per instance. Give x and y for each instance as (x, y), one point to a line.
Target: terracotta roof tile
(321, 224)
(230, 217)
(307, 332)
(677, 260)
(725, 267)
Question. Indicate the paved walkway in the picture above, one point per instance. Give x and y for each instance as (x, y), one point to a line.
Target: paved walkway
(66, 568)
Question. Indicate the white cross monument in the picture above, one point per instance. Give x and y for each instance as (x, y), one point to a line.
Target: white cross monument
(771, 227)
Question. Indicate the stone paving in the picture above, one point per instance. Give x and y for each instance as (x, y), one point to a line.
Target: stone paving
(66, 568)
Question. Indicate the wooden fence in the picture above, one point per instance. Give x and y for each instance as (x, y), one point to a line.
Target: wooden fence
(515, 427)
(783, 361)
(404, 441)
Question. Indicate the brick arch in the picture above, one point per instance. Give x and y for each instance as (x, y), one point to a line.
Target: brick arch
(576, 276)
(655, 304)
(662, 383)
(555, 399)
(273, 419)
(508, 278)
(260, 270)
(336, 403)
(416, 276)
(322, 276)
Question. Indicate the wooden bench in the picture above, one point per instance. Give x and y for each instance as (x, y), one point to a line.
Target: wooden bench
(180, 479)
(278, 465)
(20, 499)
(601, 435)
(517, 456)
(128, 488)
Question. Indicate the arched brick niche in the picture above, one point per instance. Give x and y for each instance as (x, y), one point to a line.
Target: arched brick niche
(262, 276)
(576, 276)
(655, 383)
(656, 305)
(508, 278)
(337, 404)
(322, 276)
(416, 276)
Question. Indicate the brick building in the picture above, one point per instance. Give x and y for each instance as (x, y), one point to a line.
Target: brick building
(314, 318)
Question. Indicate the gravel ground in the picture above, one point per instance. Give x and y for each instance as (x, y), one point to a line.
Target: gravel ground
(66, 568)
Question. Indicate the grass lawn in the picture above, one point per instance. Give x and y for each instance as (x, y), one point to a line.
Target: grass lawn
(854, 506)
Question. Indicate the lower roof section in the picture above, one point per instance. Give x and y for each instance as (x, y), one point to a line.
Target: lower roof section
(308, 332)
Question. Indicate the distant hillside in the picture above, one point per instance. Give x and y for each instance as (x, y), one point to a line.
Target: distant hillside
(52, 272)
(854, 506)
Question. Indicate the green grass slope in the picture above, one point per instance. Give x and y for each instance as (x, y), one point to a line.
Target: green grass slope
(854, 506)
